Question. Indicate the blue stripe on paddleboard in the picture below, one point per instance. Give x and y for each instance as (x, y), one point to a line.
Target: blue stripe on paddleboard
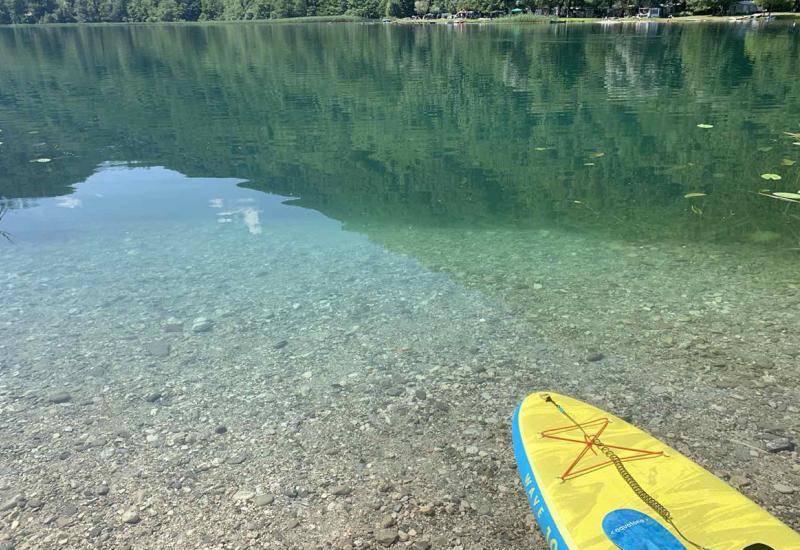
(535, 499)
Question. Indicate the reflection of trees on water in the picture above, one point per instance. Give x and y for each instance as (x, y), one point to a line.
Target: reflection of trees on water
(3, 211)
(421, 125)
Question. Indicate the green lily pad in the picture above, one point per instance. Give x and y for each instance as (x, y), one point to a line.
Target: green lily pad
(705, 126)
(788, 162)
(693, 195)
(774, 177)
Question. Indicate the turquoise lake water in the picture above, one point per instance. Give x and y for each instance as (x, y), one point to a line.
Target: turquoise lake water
(329, 202)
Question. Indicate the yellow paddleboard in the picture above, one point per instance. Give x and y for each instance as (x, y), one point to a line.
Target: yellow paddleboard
(595, 482)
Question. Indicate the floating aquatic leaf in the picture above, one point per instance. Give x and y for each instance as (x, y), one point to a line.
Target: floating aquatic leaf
(784, 162)
(541, 148)
(705, 126)
(697, 210)
(597, 155)
(693, 195)
(588, 164)
(42, 160)
(796, 143)
(795, 135)
(770, 177)
(778, 197)
(784, 195)
(578, 202)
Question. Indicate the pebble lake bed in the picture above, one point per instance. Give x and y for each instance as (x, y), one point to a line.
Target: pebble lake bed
(283, 286)
(325, 392)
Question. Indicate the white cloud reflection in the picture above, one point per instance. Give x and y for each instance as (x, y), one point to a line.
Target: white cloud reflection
(69, 202)
(251, 217)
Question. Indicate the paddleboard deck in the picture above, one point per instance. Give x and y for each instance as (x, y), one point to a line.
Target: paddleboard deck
(581, 501)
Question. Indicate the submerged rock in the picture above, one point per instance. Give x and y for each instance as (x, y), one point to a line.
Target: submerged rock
(173, 325)
(202, 324)
(59, 397)
(131, 516)
(152, 397)
(264, 500)
(236, 458)
(243, 495)
(780, 444)
(158, 349)
(386, 537)
(783, 488)
(388, 521)
(10, 503)
(341, 490)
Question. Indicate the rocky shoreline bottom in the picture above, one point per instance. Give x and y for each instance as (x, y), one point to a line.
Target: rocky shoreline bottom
(351, 399)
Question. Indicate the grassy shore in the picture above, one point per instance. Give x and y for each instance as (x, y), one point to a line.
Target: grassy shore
(539, 19)
(507, 20)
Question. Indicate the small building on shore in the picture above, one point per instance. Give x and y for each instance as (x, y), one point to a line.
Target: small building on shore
(654, 12)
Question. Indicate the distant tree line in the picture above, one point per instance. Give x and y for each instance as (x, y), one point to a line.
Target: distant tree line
(92, 11)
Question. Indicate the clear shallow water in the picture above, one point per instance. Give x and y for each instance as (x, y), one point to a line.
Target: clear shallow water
(364, 212)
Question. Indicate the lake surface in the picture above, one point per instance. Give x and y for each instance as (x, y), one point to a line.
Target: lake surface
(323, 263)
